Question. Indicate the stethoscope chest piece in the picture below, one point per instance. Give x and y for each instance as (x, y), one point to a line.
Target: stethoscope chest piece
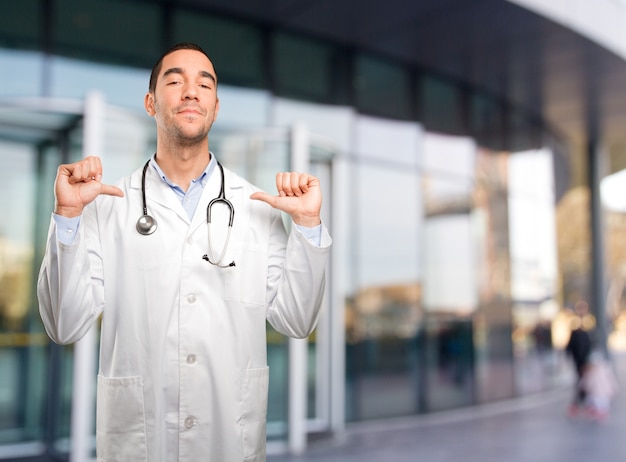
(146, 225)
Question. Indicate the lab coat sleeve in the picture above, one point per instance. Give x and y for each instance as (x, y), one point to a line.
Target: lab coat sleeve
(69, 288)
(299, 287)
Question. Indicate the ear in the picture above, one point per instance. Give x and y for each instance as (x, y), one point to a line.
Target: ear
(217, 109)
(149, 104)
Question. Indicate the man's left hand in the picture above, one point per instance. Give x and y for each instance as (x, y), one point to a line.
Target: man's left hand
(299, 195)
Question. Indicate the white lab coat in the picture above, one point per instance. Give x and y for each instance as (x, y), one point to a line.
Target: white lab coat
(183, 369)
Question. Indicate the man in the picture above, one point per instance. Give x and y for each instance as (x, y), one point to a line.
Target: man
(183, 370)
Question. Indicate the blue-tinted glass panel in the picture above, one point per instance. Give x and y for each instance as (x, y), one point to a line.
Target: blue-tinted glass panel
(441, 108)
(235, 47)
(121, 86)
(302, 68)
(384, 313)
(21, 24)
(493, 319)
(22, 342)
(108, 31)
(21, 73)
(382, 88)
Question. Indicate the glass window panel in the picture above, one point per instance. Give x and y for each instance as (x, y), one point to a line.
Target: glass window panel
(449, 262)
(21, 27)
(494, 370)
(29, 65)
(109, 29)
(22, 345)
(384, 314)
(382, 88)
(388, 215)
(242, 108)
(129, 140)
(534, 273)
(302, 68)
(448, 361)
(441, 108)
(122, 86)
(235, 47)
(331, 122)
(486, 120)
(449, 154)
(388, 140)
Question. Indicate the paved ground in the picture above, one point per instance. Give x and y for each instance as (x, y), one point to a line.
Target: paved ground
(530, 429)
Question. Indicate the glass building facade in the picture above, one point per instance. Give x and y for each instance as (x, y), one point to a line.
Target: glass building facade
(445, 285)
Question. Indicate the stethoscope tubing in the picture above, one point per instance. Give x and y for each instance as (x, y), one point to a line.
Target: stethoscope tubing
(146, 224)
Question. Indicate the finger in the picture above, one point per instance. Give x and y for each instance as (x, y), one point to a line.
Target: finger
(280, 187)
(111, 190)
(303, 183)
(264, 197)
(90, 168)
(294, 179)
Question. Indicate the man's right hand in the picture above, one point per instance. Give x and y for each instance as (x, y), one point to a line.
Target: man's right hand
(78, 184)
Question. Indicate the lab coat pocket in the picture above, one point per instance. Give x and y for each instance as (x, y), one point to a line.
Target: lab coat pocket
(120, 427)
(246, 282)
(253, 411)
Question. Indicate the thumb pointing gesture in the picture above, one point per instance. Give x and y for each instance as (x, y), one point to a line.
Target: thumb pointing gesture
(78, 184)
(299, 195)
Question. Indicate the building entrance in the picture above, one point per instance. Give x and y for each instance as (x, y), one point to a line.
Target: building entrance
(47, 391)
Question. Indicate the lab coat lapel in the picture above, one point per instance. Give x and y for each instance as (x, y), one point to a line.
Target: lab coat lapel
(235, 194)
(219, 212)
(159, 192)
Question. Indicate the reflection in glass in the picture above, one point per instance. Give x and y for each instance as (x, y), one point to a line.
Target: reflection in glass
(534, 282)
(22, 342)
(450, 274)
(384, 313)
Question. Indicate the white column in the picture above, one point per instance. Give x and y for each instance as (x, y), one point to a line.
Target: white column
(84, 373)
(297, 434)
(341, 195)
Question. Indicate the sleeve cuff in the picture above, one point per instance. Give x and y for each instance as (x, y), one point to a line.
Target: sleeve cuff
(66, 228)
(313, 235)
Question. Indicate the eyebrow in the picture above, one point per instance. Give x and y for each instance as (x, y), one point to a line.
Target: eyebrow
(179, 70)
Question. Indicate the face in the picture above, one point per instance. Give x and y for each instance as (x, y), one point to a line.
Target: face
(184, 103)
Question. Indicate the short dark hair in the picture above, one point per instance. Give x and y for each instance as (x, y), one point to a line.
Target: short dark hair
(157, 66)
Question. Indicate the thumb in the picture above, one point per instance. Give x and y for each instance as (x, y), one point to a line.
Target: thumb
(111, 190)
(264, 197)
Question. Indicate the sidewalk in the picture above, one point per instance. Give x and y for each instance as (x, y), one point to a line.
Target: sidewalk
(529, 429)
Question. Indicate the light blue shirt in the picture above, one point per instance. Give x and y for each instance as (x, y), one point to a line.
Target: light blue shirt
(67, 227)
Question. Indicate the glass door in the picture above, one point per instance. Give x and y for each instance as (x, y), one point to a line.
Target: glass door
(37, 376)
(34, 372)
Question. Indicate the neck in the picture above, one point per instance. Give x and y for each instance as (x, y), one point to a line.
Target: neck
(183, 164)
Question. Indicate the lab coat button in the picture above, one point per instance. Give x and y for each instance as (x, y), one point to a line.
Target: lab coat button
(189, 422)
(191, 298)
(191, 359)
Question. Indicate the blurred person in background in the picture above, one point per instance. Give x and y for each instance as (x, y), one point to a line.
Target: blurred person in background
(579, 348)
(599, 385)
(183, 365)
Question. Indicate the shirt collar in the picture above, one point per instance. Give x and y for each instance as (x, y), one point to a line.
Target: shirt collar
(205, 174)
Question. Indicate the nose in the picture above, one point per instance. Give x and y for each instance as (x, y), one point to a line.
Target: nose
(190, 92)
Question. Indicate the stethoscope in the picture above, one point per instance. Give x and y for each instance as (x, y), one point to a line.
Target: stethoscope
(146, 224)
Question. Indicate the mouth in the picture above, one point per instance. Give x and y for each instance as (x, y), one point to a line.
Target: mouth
(189, 111)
